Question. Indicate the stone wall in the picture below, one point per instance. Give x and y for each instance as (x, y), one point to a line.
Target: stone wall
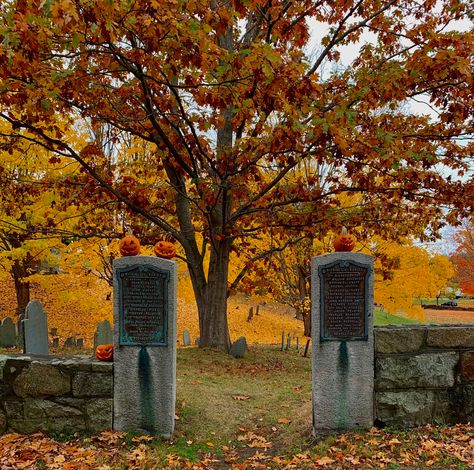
(424, 374)
(54, 394)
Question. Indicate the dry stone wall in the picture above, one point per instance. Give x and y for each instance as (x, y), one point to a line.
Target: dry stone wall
(424, 374)
(54, 394)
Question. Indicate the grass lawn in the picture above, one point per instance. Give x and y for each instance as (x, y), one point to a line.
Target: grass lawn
(384, 318)
(239, 414)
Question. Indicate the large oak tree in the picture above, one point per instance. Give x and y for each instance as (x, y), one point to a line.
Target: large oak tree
(234, 108)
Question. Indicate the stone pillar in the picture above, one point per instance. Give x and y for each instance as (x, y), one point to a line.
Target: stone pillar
(145, 344)
(343, 346)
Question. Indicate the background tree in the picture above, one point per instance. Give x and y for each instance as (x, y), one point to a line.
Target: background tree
(29, 213)
(463, 257)
(405, 273)
(231, 107)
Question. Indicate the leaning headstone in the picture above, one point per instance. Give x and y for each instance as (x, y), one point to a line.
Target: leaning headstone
(343, 349)
(70, 342)
(145, 344)
(250, 315)
(35, 328)
(238, 348)
(186, 338)
(7, 333)
(80, 343)
(103, 334)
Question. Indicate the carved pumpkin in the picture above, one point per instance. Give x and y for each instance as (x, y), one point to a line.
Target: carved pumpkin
(165, 249)
(105, 352)
(344, 241)
(129, 246)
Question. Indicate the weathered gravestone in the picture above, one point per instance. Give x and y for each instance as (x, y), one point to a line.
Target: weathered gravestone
(35, 329)
(186, 338)
(145, 344)
(239, 348)
(7, 333)
(70, 342)
(343, 348)
(103, 334)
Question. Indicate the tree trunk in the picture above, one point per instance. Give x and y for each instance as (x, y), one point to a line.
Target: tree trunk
(307, 325)
(211, 295)
(22, 287)
(213, 313)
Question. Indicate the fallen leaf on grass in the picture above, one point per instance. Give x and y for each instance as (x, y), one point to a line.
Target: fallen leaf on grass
(240, 397)
(323, 461)
(284, 420)
(138, 439)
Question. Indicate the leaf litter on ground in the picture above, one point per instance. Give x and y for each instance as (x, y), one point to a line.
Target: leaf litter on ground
(440, 447)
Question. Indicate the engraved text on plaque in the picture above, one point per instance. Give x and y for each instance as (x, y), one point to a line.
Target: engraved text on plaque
(143, 306)
(344, 301)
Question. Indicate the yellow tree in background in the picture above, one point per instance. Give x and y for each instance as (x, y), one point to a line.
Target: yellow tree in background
(404, 273)
(34, 215)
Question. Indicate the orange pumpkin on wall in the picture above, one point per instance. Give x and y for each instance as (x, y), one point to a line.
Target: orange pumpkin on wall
(165, 249)
(129, 246)
(105, 352)
(344, 241)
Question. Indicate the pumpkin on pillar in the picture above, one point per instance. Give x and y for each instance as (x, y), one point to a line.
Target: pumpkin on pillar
(344, 241)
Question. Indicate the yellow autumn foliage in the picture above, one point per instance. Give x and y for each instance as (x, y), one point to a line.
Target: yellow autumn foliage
(76, 303)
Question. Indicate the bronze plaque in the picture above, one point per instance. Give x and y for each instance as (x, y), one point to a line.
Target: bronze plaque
(143, 306)
(344, 308)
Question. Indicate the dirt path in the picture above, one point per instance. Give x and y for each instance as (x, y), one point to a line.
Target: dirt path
(449, 316)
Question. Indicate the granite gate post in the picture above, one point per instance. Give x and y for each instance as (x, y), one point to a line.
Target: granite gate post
(343, 345)
(145, 344)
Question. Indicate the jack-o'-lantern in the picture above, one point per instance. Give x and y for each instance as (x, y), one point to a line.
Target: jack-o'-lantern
(344, 241)
(129, 246)
(105, 352)
(165, 249)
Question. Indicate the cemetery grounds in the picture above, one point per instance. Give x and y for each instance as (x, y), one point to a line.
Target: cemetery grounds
(251, 413)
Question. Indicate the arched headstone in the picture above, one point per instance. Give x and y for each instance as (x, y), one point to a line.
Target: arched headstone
(186, 338)
(7, 333)
(103, 334)
(35, 327)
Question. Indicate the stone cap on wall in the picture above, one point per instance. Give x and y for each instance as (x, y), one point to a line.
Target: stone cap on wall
(399, 339)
